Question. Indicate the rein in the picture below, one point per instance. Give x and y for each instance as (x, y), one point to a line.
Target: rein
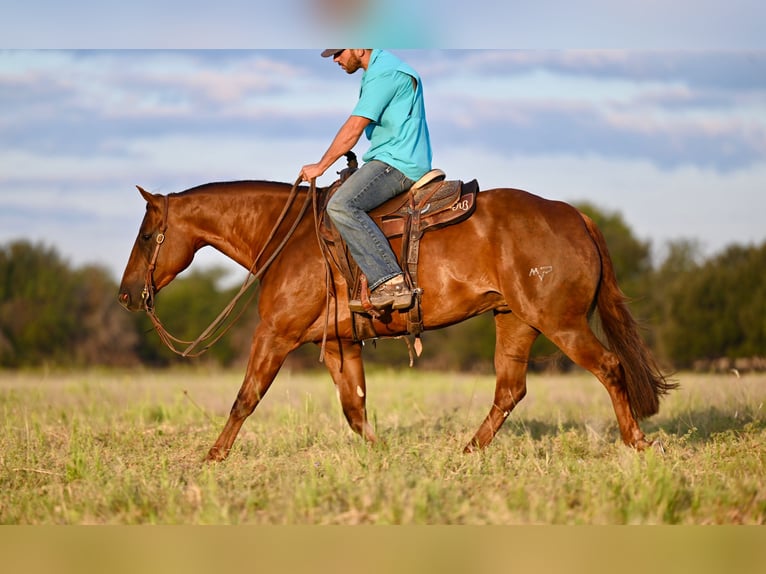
(210, 333)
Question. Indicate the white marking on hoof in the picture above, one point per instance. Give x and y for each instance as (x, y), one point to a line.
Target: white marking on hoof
(359, 391)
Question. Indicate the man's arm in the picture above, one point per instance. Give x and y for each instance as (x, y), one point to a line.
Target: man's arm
(345, 139)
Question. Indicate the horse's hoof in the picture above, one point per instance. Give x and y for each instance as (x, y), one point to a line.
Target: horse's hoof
(215, 455)
(643, 444)
(657, 446)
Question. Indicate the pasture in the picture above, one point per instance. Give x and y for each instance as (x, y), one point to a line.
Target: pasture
(125, 447)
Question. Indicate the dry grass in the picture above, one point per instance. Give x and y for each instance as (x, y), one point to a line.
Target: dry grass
(125, 448)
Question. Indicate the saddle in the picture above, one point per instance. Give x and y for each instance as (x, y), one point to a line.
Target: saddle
(432, 203)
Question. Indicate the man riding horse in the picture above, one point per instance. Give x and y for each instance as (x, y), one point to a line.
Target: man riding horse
(391, 113)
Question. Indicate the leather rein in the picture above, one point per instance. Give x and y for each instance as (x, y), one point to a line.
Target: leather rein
(216, 330)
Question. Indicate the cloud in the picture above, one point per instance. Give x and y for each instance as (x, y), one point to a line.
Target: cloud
(660, 107)
(540, 129)
(95, 102)
(725, 69)
(670, 108)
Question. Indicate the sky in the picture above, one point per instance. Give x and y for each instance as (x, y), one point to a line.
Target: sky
(668, 131)
(541, 24)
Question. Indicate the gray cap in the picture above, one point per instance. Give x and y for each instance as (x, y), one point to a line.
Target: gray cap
(331, 52)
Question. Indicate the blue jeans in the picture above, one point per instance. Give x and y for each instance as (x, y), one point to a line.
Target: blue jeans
(371, 185)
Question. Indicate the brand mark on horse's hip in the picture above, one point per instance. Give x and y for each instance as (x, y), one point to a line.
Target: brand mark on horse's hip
(540, 272)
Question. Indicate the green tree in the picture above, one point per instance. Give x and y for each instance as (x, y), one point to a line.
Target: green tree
(718, 308)
(105, 333)
(681, 262)
(51, 314)
(36, 315)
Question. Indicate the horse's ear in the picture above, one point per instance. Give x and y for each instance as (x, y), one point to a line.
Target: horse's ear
(150, 198)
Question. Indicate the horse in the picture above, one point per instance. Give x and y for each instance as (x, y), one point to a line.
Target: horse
(541, 266)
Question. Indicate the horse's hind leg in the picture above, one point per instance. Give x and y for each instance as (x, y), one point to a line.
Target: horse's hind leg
(267, 353)
(513, 344)
(581, 345)
(344, 361)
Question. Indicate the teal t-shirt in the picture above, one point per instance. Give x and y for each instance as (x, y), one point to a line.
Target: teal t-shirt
(391, 97)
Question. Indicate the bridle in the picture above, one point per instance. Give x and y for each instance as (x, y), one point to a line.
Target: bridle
(216, 329)
(147, 293)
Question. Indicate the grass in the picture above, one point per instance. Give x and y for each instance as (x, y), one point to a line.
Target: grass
(110, 447)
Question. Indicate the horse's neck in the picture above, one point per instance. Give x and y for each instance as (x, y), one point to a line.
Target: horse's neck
(235, 219)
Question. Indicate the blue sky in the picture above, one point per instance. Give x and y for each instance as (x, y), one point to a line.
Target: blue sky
(673, 140)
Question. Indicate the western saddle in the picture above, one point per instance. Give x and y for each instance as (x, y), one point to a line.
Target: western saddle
(431, 203)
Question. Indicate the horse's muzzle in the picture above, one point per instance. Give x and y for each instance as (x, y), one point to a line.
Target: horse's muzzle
(130, 303)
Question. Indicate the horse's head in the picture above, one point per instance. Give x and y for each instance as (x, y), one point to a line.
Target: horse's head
(161, 251)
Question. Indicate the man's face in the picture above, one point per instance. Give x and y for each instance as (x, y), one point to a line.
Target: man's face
(349, 60)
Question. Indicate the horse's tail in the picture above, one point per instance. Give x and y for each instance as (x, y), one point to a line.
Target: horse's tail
(644, 380)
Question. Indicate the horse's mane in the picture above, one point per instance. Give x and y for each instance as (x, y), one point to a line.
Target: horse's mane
(238, 186)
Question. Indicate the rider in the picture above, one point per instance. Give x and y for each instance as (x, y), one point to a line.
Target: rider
(391, 113)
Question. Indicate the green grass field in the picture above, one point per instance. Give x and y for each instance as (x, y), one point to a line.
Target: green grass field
(105, 447)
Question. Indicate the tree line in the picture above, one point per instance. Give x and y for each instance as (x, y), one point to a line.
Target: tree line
(697, 312)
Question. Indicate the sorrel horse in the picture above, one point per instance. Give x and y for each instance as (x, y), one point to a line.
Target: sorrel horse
(540, 266)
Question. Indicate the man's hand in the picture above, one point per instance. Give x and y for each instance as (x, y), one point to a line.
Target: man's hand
(311, 171)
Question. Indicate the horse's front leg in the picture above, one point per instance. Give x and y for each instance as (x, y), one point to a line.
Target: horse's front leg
(267, 353)
(344, 361)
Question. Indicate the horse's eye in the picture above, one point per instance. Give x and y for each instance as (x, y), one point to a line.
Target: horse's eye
(146, 236)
